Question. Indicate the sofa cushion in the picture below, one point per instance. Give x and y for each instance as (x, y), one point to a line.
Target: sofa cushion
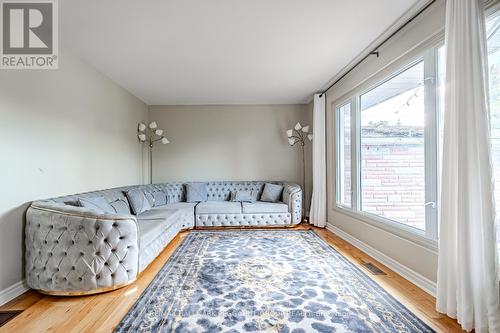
(178, 205)
(156, 213)
(97, 203)
(138, 201)
(149, 196)
(196, 192)
(264, 207)
(160, 198)
(186, 212)
(120, 206)
(150, 229)
(242, 196)
(218, 207)
(150, 251)
(271, 193)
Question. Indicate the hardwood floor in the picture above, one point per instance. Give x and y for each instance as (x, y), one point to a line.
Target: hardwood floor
(101, 313)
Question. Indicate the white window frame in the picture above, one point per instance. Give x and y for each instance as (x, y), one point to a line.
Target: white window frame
(340, 153)
(427, 238)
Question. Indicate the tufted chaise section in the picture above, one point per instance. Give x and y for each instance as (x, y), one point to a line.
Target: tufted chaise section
(73, 250)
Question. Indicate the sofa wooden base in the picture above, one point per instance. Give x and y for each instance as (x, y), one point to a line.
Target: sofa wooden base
(85, 293)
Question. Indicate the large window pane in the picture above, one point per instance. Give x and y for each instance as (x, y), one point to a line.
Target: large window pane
(493, 34)
(392, 149)
(344, 183)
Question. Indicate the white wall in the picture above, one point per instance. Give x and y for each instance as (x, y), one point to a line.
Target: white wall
(417, 258)
(228, 142)
(62, 132)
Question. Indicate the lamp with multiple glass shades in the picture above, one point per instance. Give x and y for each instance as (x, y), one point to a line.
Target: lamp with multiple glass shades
(150, 135)
(299, 136)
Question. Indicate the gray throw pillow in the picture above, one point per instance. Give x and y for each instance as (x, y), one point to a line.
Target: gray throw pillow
(160, 198)
(171, 196)
(138, 201)
(150, 197)
(242, 196)
(120, 206)
(271, 193)
(99, 204)
(196, 192)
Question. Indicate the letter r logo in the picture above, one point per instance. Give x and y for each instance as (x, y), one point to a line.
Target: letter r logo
(27, 27)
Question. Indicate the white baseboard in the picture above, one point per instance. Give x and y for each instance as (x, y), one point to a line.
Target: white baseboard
(417, 279)
(12, 292)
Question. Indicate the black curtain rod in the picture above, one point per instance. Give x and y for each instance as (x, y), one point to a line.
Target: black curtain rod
(375, 51)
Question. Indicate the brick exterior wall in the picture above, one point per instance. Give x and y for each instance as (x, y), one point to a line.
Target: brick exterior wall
(393, 179)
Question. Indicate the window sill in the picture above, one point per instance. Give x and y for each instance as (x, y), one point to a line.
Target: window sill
(405, 232)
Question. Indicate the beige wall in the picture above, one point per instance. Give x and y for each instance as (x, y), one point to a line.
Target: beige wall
(228, 142)
(420, 259)
(64, 131)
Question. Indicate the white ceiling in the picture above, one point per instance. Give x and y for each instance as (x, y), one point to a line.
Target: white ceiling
(224, 51)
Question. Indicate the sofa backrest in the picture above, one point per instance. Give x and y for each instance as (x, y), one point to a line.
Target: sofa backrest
(217, 191)
(221, 191)
(175, 191)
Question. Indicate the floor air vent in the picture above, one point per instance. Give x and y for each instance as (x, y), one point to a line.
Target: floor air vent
(373, 269)
(6, 316)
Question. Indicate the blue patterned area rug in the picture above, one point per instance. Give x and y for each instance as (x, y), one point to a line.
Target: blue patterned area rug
(264, 281)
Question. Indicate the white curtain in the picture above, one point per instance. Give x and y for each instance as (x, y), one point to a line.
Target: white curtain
(468, 265)
(317, 214)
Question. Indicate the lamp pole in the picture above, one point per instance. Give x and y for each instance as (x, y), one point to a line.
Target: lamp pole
(150, 162)
(304, 177)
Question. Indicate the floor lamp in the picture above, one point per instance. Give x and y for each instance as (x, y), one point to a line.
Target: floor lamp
(150, 135)
(298, 135)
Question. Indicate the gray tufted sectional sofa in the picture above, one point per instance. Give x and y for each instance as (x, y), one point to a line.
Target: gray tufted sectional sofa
(73, 250)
